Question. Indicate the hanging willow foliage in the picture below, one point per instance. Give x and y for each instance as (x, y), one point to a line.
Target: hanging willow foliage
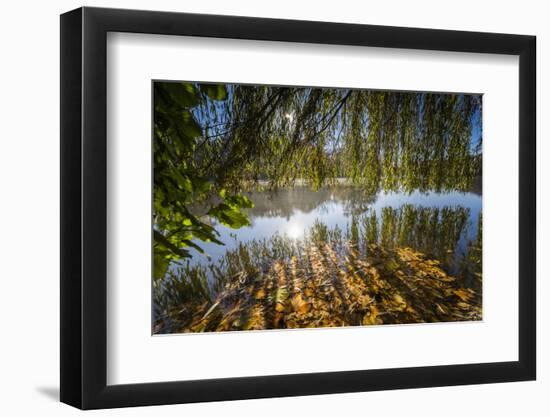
(379, 140)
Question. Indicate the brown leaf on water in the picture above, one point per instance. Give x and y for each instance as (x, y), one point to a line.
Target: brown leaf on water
(299, 305)
(260, 294)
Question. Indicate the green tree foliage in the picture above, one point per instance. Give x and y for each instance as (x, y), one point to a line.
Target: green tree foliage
(213, 143)
(178, 182)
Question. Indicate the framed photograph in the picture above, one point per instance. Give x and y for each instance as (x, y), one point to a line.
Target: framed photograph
(257, 208)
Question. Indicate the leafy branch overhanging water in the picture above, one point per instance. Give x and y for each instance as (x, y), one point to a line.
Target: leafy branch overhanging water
(212, 143)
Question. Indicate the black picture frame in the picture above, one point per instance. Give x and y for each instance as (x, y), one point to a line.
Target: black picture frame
(84, 207)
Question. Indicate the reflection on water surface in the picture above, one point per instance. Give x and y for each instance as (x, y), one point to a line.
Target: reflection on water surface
(440, 225)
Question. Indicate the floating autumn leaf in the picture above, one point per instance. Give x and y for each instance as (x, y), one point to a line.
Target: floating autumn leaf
(299, 305)
(260, 294)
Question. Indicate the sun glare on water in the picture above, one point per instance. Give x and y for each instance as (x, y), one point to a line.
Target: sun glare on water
(294, 231)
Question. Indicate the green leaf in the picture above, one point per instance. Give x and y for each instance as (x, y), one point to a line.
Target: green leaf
(236, 201)
(186, 129)
(186, 95)
(160, 239)
(201, 185)
(160, 264)
(214, 91)
(193, 245)
(229, 216)
(239, 201)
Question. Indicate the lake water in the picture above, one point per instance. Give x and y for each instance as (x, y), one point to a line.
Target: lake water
(438, 224)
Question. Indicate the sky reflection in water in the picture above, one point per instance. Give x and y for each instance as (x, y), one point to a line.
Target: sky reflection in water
(292, 212)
